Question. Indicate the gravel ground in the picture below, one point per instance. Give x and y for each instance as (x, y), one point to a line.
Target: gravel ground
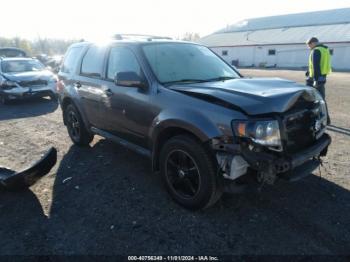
(111, 203)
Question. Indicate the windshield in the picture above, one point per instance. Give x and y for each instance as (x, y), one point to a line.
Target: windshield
(178, 62)
(17, 66)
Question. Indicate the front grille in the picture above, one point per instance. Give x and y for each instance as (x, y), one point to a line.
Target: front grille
(299, 127)
(38, 82)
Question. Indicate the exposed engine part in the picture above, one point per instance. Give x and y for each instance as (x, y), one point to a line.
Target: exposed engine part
(232, 166)
(268, 176)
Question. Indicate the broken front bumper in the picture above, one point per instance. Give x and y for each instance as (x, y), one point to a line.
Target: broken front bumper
(290, 167)
(235, 160)
(20, 92)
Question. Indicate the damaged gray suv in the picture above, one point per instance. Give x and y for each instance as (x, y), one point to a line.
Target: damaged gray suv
(205, 127)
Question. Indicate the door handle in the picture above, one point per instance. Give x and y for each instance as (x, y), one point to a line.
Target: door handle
(77, 84)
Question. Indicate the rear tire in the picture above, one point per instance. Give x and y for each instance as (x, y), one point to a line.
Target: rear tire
(3, 100)
(53, 97)
(76, 127)
(190, 173)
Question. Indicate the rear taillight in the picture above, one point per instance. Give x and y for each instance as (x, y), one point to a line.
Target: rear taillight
(59, 86)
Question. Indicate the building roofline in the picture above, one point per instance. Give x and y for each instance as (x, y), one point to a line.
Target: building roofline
(313, 18)
(278, 44)
(277, 27)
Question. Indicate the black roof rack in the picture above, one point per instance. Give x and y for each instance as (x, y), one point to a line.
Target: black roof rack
(137, 36)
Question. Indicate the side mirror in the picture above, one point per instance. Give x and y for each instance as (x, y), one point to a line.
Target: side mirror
(130, 79)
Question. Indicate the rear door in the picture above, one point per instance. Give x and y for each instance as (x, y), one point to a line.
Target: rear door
(89, 84)
(69, 66)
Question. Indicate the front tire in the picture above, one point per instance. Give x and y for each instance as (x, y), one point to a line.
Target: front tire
(76, 127)
(3, 100)
(189, 173)
(53, 97)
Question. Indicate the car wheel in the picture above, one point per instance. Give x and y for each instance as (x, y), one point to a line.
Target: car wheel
(76, 127)
(3, 100)
(189, 173)
(53, 97)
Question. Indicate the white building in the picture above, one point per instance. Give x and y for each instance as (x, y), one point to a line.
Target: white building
(280, 40)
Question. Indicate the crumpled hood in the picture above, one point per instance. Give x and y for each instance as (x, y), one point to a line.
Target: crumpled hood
(29, 76)
(254, 96)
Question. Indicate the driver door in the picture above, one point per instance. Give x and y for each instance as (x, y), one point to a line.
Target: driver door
(126, 108)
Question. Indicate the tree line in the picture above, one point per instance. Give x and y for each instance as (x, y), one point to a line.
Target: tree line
(47, 46)
(51, 46)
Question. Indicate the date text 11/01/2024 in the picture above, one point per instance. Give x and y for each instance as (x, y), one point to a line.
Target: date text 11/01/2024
(173, 258)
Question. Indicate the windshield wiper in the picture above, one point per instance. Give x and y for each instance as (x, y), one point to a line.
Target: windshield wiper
(184, 81)
(220, 78)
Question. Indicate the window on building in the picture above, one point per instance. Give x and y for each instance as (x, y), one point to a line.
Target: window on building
(224, 52)
(272, 52)
(331, 51)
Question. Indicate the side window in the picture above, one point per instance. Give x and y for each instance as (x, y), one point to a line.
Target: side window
(92, 64)
(71, 59)
(121, 59)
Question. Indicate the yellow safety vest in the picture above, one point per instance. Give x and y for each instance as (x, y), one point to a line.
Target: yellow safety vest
(325, 62)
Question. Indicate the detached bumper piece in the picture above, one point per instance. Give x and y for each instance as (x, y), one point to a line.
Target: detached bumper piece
(305, 162)
(12, 180)
(291, 167)
(301, 171)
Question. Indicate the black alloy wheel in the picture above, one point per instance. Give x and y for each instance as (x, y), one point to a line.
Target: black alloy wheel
(73, 125)
(183, 174)
(76, 128)
(190, 173)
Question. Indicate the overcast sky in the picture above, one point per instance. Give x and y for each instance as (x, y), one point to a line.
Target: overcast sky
(96, 19)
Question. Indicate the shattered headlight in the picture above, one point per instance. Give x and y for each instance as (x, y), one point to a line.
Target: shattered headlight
(263, 132)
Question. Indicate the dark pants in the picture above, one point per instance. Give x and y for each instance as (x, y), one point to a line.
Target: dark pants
(321, 88)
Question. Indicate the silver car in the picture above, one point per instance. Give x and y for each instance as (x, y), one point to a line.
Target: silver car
(22, 78)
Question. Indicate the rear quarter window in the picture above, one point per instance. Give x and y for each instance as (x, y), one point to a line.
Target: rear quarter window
(93, 62)
(71, 59)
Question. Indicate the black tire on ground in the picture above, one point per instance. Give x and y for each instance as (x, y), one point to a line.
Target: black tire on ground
(205, 187)
(53, 97)
(76, 127)
(3, 100)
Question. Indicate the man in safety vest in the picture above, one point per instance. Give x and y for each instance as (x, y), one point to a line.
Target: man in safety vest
(319, 65)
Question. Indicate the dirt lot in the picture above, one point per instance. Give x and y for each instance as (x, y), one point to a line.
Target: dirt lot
(113, 204)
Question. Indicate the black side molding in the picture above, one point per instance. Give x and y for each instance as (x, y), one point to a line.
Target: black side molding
(116, 139)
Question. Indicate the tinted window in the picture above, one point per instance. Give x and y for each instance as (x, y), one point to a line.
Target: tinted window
(121, 59)
(174, 62)
(92, 64)
(71, 59)
(12, 53)
(17, 66)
